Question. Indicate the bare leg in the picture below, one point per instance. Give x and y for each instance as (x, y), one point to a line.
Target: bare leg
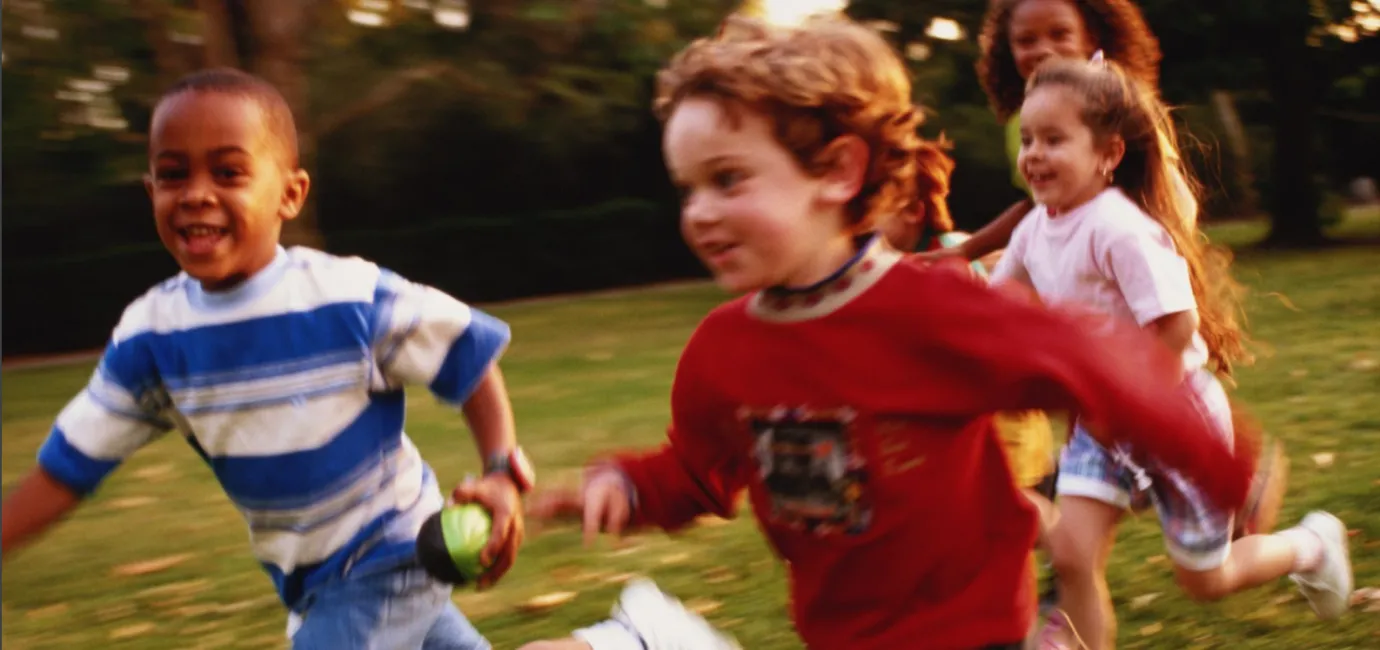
(1254, 560)
(1082, 543)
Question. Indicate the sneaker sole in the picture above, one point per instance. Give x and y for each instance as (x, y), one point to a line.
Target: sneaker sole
(1350, 584)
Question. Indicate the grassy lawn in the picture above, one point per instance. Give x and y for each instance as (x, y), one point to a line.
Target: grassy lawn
(159, 559)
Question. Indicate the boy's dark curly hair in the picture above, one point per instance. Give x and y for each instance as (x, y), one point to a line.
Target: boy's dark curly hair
(1116, 26)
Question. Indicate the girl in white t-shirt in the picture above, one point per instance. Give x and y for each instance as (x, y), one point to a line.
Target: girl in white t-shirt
(1099, 154)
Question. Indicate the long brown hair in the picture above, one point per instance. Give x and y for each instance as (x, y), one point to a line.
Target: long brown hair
(1117, 105)
(1117, 27)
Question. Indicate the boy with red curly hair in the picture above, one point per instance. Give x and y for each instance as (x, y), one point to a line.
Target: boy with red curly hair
(847, 392)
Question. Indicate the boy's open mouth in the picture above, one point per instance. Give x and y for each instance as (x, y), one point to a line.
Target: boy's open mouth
(200, 239)
(1040, 178)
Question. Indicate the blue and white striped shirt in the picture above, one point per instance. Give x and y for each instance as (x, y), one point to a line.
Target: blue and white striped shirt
(290, 386)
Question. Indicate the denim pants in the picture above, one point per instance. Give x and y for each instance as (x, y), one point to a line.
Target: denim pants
(398, 609)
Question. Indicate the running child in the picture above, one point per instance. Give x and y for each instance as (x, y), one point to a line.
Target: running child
(284, 370)
(1108, 234)
(847, 392)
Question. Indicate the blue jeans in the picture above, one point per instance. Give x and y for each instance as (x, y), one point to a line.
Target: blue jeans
(400, 609)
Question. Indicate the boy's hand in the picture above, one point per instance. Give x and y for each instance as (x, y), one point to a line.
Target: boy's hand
(497, 494)
(602, 504)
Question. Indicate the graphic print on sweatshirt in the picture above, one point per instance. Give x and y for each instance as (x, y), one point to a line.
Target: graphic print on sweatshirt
(815, 478)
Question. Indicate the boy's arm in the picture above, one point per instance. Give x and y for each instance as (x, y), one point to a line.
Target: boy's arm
(35, 505)
(1003, 353)
(422, 336)
(693, 472)
(105, 423)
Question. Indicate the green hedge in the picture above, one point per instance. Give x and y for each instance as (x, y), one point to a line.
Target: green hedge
(72, 300)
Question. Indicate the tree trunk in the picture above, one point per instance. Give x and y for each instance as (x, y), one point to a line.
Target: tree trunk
(278, 31)
(268, 38)
(1294, 219)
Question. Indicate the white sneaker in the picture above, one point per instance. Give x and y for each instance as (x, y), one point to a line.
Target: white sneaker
(1328, 587)
(647, 619)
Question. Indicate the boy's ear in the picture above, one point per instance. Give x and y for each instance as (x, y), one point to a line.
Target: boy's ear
(844, 168)
(295, 194)
(148, 185)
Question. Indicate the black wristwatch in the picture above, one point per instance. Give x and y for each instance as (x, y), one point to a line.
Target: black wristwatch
(514, 464)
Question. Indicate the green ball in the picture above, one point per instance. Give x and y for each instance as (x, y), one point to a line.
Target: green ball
(451, 540)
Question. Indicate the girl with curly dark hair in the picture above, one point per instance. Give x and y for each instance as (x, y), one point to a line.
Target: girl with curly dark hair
(1017, 36)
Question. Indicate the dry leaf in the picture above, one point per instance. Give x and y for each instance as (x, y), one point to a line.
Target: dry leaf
(184, 587)
(1365, 363)
(718, 575)
(1324, 459)
(702, 606)
(1280, 600)
(125, 503)
(618, 578)
(546, 602)
(44, 612)
(131, 630)
(1298, 372)
(675, 558)
(155, 471)
(150, 566)
(1153, 628)
(1141, 601)
(1156, 559)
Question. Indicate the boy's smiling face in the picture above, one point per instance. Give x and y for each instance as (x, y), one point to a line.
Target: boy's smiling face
(750, 212)
(221, 184)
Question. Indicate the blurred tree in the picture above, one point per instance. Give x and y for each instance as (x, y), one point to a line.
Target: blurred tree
(1293, 50)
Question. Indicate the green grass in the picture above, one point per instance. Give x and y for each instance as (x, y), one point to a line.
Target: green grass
(159, 559)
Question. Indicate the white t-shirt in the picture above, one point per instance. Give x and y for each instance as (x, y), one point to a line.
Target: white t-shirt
(1107, 255)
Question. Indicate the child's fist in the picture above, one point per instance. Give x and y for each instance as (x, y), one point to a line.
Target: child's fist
(602, 504)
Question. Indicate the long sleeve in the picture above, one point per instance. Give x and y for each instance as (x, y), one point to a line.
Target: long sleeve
(1004, 353)
(692, 473)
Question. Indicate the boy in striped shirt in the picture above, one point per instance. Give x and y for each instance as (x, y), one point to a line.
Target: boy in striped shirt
(284, 370)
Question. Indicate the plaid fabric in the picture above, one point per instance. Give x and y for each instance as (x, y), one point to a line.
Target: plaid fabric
(1197, 535)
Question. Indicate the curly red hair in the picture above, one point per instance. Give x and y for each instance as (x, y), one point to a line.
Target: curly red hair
(828, 78)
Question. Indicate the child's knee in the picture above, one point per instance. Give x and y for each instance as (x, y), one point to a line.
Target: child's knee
(1203, 586)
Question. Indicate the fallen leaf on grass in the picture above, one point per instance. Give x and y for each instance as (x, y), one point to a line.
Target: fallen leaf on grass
(618, 578)
(1298, 372)
(1141, 601)
(1324, 459)
(702, 606)
(183, 588)
(45, 612)
(1280, 600)
(126, 503)
(131, 630)
(711, 521)
(1153, 628)
(675, 558)
(155, 471)
(1365, 363)
(1156, 559)
(546, 602)
(718, 575)
(149, 566)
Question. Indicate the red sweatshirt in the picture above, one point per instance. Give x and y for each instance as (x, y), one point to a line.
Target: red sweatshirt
(853, 415)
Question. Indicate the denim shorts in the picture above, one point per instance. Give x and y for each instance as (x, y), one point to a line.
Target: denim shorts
(397, 609)
(1197, 535)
